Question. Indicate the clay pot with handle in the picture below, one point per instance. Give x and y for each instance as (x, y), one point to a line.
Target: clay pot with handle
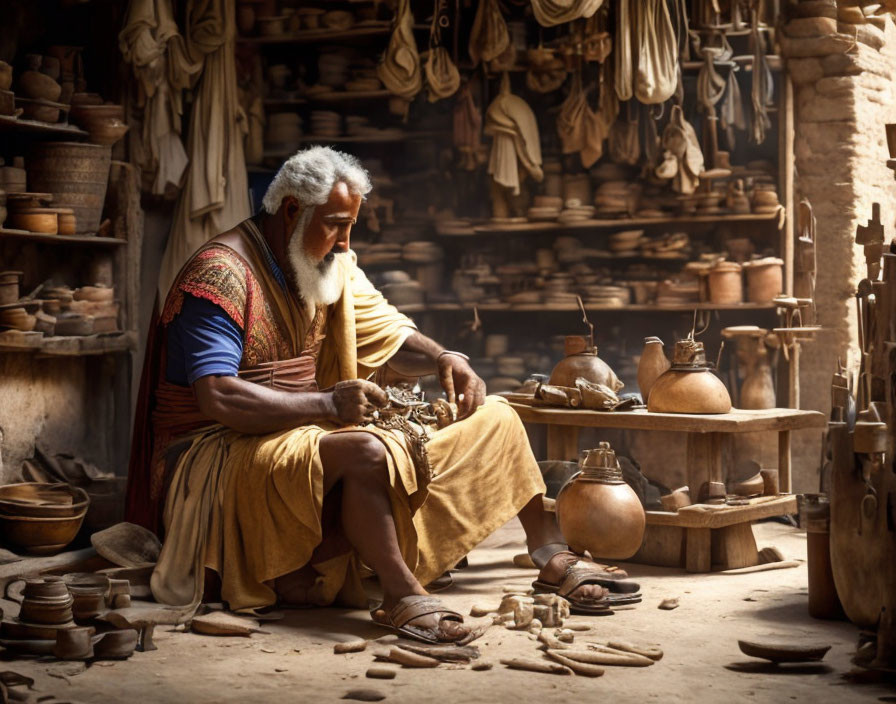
(582, 361)
(653, 364)
(689, 386)
(598, 511)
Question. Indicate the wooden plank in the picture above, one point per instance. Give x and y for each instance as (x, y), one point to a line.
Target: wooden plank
(663, 546)
(734, 547)
(622, 223)
(12, 571)
(698, 557)
(703, 516)
(785, 169)
(737, 421)
(784, 461)
(563, 442)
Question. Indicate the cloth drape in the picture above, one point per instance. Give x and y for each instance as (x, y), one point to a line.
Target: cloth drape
(515, 140)
(554, 12)
(215, 196)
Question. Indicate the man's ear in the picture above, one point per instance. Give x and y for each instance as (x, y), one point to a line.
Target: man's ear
(290, 211)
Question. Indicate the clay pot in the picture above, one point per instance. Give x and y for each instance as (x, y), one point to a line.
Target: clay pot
(50, 66)
(765, 279)
(46, 602)
(42, 220)
(337, 20)
(271, 26)
(115, 645)
(5, 75)
(9, 286)
(582, 361)
(689, 386)
(104, 123)
(39, 86)
(40, 111)
(245, 17)
(74, 643)
(12, 179)
(726, 283)
(40, 536)
(36, 499)
(67, 222)
(7, 102)
(653, 364)
(89, 593)
(598, 511)
(758, 389)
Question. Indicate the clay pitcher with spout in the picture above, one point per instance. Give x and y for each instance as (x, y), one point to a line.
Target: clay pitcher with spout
(652, 365)
(597, 511)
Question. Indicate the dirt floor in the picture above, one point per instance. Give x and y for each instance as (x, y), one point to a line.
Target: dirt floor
(295, 661)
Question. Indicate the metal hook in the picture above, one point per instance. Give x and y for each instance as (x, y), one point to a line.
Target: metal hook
(585, 319)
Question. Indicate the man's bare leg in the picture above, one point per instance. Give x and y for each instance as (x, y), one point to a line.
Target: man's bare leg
(542, 529)
(358, 462)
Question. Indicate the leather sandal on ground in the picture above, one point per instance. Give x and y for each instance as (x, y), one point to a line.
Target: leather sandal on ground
(577, 576)
(412, 607)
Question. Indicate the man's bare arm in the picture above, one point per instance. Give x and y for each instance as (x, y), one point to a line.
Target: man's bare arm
(254, 409)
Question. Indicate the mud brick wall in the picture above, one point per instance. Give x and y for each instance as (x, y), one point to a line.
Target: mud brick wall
(843, 96)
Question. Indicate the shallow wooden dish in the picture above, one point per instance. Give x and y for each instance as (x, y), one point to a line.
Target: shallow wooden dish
(41, 220)
(780, 652)
(40, 535)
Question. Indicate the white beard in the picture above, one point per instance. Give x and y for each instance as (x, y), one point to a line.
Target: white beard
(319, 283)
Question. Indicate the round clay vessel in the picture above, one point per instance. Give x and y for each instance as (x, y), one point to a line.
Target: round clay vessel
(598, 511)
(765, 279)
(689, 386)
(5, 75)
(39, 86)
(583, 362)
(42, 220)
(40, 536)
(726, 283)
(652, 365)
(37, 499)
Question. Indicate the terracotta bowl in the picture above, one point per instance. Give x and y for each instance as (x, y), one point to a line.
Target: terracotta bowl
(40, 536)
(42, 220)
(115, 645)
(40, 111)
(94, 293)
(41, 499)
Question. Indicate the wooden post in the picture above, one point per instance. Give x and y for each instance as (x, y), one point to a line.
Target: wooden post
(698, 556)
(785, 151)
(563, 442)
(784, 461)
(704, 457)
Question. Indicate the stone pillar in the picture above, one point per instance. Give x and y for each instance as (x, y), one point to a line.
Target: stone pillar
(842, 68)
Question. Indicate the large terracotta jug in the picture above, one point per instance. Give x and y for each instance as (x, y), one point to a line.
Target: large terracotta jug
(689, 386)
(758, 389)
(598, 511)
(652, 365)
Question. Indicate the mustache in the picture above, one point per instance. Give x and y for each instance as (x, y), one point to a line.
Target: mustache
(329, 258)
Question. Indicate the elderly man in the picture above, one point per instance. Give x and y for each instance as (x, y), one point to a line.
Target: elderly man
(251, 429)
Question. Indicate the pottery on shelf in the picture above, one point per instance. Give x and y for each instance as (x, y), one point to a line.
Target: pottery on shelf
(726, 283)
(581, 360)
(758, 389)
(689, 386)
(38, 86)
(652, 365)
(597, 511)
(765, 279)
(5, 75)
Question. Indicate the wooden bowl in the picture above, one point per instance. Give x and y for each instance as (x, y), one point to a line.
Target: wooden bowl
(42, 499)
(40, 536)
(42, 220)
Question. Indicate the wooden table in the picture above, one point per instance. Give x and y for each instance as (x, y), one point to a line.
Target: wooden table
(701, 535)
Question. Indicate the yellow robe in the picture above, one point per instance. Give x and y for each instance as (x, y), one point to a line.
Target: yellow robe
(249, 506)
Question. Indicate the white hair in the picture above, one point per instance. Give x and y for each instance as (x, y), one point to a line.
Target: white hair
(309, 176)
(318, 283)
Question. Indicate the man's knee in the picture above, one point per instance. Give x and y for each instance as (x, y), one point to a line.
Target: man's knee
(355, 455)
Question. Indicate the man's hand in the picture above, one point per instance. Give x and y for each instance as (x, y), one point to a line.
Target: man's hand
(458, 379)
(355, 400)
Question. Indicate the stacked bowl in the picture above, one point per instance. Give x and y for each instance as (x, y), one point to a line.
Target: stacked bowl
(41, 518)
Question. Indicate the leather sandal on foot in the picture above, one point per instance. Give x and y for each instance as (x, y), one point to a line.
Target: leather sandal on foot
(576, 576)
(412, 607)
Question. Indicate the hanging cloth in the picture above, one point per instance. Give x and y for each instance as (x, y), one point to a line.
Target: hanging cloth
(571, 118)
(553, 12)
(624, 145)
(731, 113)
(597, 43)
(623, 58)
(710, 85)
(683, 158)
(515, 140)
(656, 75)
(598, 123)
(489, 37)
(399, 68)
(762, 88)
(442, 75)
(467, 129)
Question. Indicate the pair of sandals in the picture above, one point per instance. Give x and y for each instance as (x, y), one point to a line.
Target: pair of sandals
(616, 591)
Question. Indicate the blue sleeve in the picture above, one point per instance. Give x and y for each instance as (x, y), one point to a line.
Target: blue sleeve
(202, 341)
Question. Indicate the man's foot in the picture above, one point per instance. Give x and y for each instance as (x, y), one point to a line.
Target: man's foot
(423, 617)
(555, 571)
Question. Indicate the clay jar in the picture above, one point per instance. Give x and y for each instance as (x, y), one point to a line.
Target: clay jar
(582, 361)
(726, 283)
(765, 279)
(39, 86)
(598, 511)
(652, 365)
(46, 601)
(689, 386)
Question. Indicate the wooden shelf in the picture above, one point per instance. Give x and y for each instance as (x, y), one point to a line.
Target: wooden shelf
(340, 96)
(58, 346)
(42, 128)
(356, 139)
(315, 36)
(618, 223)
(559, 308)
(61, 239)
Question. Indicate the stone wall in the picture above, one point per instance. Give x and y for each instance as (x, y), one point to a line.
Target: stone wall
(843, 97)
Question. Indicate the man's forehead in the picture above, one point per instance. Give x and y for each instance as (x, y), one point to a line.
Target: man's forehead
(341, 203)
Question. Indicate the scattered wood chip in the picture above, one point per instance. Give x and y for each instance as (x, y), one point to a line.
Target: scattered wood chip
(648, 651)
(565, 635)
(479, 610)
(550, 668)
(223, 623)
(786, 564)
(364, 695)
(770, 554)
(551, 642)
(267, 650)
(406, 658)
(523, 560)
(352, 646)
(280, 669)
(379, 672)
(580, 668)
(482, 666)
(669, 604)
(607, 656)
(577, 626)
(388, 638)
(445, 653)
